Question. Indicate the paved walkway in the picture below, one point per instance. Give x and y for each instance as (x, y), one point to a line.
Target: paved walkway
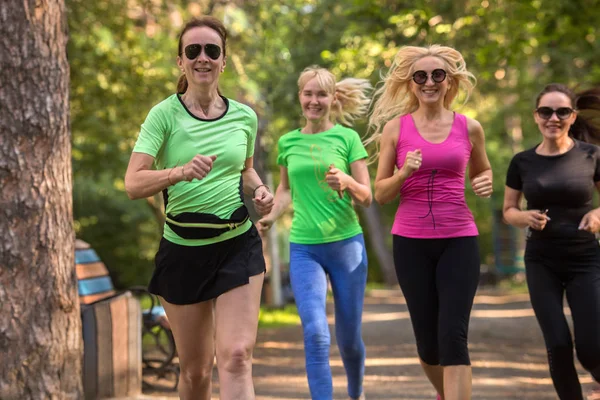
(507, 353)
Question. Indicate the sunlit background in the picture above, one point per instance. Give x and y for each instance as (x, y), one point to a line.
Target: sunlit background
(122, 57)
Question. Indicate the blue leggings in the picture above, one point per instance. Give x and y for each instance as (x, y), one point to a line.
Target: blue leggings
(345, 262)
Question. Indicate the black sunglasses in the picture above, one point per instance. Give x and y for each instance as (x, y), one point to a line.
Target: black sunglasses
(561, 112)
(192, 51)
(437, 75)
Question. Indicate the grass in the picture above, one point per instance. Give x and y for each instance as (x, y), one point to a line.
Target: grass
(288, 316)
(144, 302)
(514, 285)
(268, 317)
(375, 286)
(278, 317)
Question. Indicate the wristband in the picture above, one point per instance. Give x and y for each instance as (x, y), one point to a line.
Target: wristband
(261, 185)
(185, 178)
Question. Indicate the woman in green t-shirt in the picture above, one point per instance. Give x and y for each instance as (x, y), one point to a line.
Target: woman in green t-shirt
(209, 266)
(323, 171)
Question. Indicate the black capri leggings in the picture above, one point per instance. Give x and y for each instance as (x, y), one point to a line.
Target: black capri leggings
(553, 270)
(439, 278)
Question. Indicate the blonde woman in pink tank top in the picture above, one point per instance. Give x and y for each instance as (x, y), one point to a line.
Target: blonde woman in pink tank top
(425, 150)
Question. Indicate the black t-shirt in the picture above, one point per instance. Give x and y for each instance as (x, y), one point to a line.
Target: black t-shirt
(563, 184)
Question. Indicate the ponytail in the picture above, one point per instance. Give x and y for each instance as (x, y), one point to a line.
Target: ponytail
(351, 93)
(352, 100)
(587, 125)
(182, 84)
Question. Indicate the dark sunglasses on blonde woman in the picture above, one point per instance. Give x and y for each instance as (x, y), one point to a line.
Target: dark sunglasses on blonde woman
(561, 112)
(192, 51)
(437, 75)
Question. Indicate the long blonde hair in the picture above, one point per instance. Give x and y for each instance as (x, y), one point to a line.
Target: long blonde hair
(351, 93)
(394, 97)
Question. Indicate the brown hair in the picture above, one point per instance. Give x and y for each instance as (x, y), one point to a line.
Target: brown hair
(587, 104)
(210, 22)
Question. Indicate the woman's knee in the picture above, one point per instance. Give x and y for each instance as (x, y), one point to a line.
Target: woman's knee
(317, 341)
(455, 357)
(427, 346)
(316, 331)
(557, 336)
(428, 354)
(454, 350)
(589, 357)
(236, 358)
(196, 372)
(351, 346)
(350, 352)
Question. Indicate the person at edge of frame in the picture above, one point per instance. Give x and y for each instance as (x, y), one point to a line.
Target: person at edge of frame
(558, 177)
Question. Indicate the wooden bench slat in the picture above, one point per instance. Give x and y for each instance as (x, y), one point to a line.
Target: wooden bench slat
(91, 270)
(92, 298)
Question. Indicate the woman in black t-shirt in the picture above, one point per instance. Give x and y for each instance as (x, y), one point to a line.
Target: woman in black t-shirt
(558, 178)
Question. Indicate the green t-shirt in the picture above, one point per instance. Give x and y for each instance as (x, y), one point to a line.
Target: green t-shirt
(173, 136)
(320, 216)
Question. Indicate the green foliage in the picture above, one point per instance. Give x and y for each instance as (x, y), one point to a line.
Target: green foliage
(274, 318)
(123, 232)
(117, 75)
(122, 55)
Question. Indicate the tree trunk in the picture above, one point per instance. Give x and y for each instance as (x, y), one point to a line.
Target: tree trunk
(40, 326)
(372, 216)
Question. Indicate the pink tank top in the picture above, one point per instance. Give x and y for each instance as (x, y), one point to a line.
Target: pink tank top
(432, 200)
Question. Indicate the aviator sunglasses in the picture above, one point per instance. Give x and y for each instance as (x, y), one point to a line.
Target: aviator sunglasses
(437, 75)
(192, 51)
(562, 112)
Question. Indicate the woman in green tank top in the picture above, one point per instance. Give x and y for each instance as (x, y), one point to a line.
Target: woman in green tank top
(323, 172)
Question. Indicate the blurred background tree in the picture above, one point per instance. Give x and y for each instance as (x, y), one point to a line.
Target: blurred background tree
(122, 56)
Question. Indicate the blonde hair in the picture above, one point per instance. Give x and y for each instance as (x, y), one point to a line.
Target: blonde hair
(394, 97)
(351, 93)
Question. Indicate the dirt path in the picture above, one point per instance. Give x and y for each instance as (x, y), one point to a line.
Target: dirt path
(507, 353)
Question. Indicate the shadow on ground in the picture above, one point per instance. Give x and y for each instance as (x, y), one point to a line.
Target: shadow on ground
(507, 353)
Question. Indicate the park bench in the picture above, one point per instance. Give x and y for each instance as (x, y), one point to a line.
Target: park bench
(125, 347)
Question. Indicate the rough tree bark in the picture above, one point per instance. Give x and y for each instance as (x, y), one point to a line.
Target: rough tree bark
(40, 326)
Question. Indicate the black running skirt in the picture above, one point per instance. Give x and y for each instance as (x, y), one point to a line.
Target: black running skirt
(192, 274)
